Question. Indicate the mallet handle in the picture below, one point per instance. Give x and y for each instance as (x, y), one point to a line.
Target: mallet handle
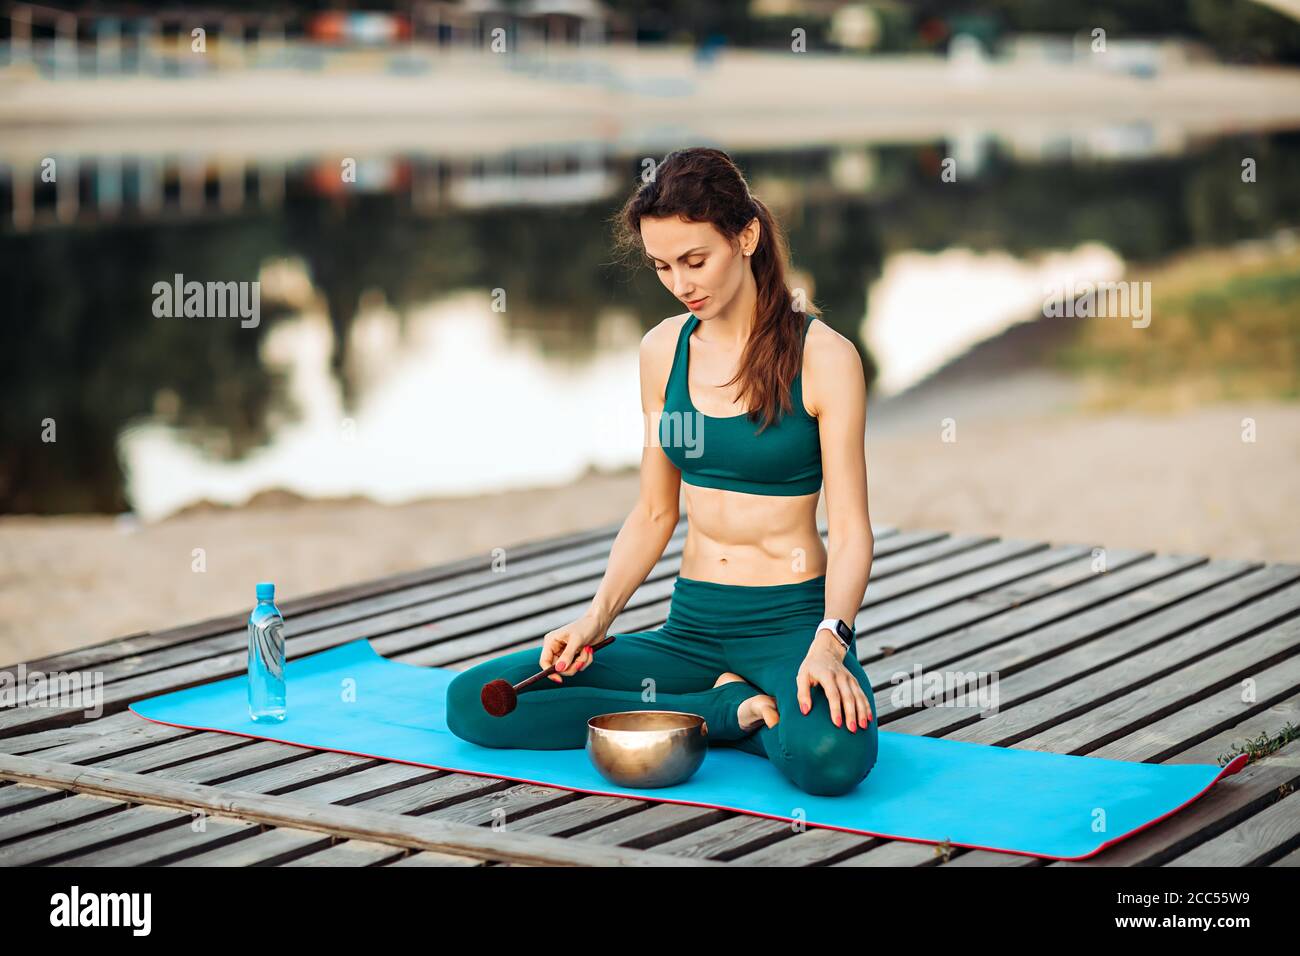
(551, 670)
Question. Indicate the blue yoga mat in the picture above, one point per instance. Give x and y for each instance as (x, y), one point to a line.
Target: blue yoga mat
(351, 699)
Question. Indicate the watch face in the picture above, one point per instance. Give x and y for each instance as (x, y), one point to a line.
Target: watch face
(845, 631)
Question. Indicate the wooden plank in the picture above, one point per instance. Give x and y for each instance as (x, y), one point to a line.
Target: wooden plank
(896, 853)
(252, 847)
(943, 582)
(350, 853)
(1057, 591)
(1227, 804)
(445, 788)
(136, 644)
(16, 797)
(1045, 626)
(1140, 700)
(1161, 741)
(815, 846)
(51, 814)
(426, 858)
(1291, 859)
(1227, 742)
(499, 808)
(46, 846)
(81, 810)
(193, 746)
(391, 788)
(734, 838)
(351, 822)
(160, 844)
(1032, 662)
(588, 811)
(129, 848)
(1170, 734)
(1264, 837)
(119, 731)
(1078, 703)
(347, 787)
(990, 643)
(1157, 742)
(215, 759)
(268, 847)
(311, 775)
(263, 767)
(653, 822)
(968, 858)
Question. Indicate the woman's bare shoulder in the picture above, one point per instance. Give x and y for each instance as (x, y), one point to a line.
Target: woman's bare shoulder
(661, 338)
(658, 346)
(825, 346)
(665, 330)
(828, 357)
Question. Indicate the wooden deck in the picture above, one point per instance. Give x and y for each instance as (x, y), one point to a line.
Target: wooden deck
(1149, 661)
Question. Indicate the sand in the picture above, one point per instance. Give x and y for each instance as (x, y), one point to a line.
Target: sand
(1181, 483)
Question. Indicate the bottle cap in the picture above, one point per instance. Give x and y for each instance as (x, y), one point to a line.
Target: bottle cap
(266, 591)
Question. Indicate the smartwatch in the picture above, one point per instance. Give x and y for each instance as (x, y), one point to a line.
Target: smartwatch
(843, 633)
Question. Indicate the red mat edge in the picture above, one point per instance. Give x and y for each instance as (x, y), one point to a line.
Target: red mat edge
(1232, 767)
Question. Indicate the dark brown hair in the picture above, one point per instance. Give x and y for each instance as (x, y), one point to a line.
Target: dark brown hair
(702, 184)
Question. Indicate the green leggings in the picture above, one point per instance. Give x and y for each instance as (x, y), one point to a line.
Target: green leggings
(761, 633)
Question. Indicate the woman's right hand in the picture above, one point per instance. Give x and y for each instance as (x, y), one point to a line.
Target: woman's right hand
(565, 644)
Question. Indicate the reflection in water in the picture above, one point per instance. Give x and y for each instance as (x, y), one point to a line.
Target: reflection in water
(379, 367)
(446, 405)
(927, 309)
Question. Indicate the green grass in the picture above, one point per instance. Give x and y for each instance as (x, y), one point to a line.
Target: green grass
(1263, 745)
(1222, 328)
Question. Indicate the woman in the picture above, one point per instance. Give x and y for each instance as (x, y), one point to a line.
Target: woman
(743, 645)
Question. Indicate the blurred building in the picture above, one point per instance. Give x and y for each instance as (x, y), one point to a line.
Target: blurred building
(128, 38)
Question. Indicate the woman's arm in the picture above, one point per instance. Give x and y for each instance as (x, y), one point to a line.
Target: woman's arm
(842, 424)
(646, 531)
(841, 420)
(653, 519)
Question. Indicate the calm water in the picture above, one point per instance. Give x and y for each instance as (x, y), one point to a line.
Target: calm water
(450, 327)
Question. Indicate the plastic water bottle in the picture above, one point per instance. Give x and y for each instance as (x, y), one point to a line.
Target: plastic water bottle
(266, 699)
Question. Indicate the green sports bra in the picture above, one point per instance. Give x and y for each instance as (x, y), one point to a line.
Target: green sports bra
(728, 452)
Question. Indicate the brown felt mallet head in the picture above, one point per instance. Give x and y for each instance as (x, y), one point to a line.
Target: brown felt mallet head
(500, 697)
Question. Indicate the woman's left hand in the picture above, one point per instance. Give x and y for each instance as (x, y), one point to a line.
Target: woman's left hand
(824, 668)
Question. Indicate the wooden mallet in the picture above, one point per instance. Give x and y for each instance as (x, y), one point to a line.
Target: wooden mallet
(500, 696)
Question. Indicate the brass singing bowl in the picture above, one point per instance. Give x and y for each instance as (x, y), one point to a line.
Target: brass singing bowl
(647, 748)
